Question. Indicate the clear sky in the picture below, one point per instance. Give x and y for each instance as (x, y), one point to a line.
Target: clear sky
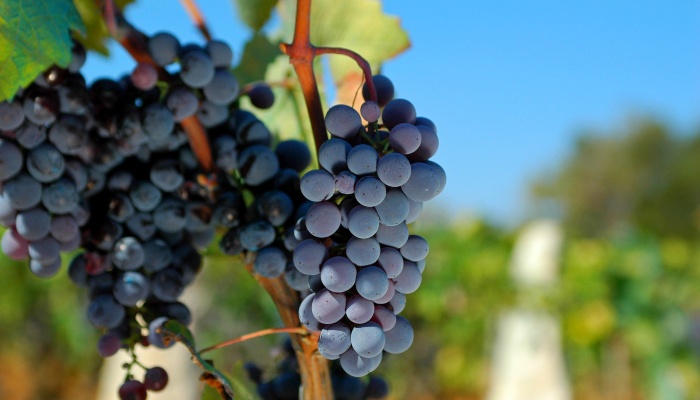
(510, 83)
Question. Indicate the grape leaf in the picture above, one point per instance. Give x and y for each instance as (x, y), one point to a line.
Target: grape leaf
(34, 34)
(259, 52)
(97, 34)
(255, 12)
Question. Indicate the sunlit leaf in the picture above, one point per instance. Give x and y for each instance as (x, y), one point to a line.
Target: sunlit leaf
(255, 12)
(34, 34)
(96, 36)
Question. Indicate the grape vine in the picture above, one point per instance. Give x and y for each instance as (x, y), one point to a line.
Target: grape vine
(141, 173)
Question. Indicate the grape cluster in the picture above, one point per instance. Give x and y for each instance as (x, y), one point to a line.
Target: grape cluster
(357, 251)
(285, 385)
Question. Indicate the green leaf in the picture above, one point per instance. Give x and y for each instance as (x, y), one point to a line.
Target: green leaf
(34, 34)
(255, 12)
(174, 330)
(97, 35)
(259, 52)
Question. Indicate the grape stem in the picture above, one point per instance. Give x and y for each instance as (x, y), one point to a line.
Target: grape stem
(302, 54)
(135, 43)
(253, 335)
(197, 17)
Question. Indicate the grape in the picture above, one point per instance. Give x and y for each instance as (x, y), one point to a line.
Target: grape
(423, 184)
(11, 160)
(75, 170)
(345, 182)
(14, 245)
(394, 209)
(384, 88)
(141, 224)
(328, 307)
(309, 255)
(370, 111)
(211, 115)
(167, 175)
(391, 261)
(334, 339)
(33, 224)
(363, 251)
(415, 249)
(132, 390)
(41, 106)
(400, 337)
(372, 283)
(429, 144)
(333, 155)
(170, 216)
(157, 255)
(254, 133)
(11, 115)
(270, 262)
(398, 111)
(182, 102)
(220, 53)
(356, 365)
(108, 344)
(293, 154)
(44, 250)
(45, 163)
(71, 244)
(394, 236)
(363, 222)
(257, 235)
(120, 208)
(390, 292)
(405, 138)
(314, 283)
(23, 192)
(167, 285)
(369, 191)
(276, 207)
(105, 312)
(440, 173)
(128, 254)
(338, 274)
(362, 160)
(398, 302)
(29, 136)
(7, 213)
(295, 279)
(257, 164)
(155, 379)
(60, 197)
(226, 156)
(394, 169)
(144, 76)
(163, 48)
(317, 185)
(343, 121)
(131, 288)
(414, 210)
(77, 271)
(377, 388)
(154, 337)
(145, 196)
(368, 339)
(323, 219)
(197, 69)
(158, 122)
(222, 89)
(409, 279)
(261, 96)
(45, 268)
(306, 315)
(359, 310)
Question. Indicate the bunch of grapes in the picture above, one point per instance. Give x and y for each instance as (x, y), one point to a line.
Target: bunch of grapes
(357, 250)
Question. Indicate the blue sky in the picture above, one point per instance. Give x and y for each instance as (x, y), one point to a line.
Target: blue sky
(510, 84)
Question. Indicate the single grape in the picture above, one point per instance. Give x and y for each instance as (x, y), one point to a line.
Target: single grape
(363, 222)
(261, 96)
(424, 183)
(23, 192)
(362, 160)
(167, 285)
(293, 154)
(398, 111)
(270, 262)
(384, 88)
(132, 390)
(334, 339)
(394, 236)
(145, 196)
(415, 249)
(128, 254)
(333, 155)
(328, 307)
(343, 121)
(45, 163)
(309, 255)
(390, 292)
(182, 102)
(317, 185)
(257, 164)
(356, 365)
(45, 268)
(394, 209)
(306, 315)
(11, 160)
(109, 344)
(256, 235)
(429, 144)
(220, 53)
(170, 216)
(156, 379)
(338, 274)
(44, 250)
(368, 339)
(33, 224)
(370, 191)
(370, 111)
(158, 122)
(394, 169)
(391, 261)
(323, 219)
(11, 115)
(163, 48)
(363, 252)
(104, 312)
(276, 206)
(197, 69)
(144, 76)
(60, 197)
(222, 89)
(345, 182)
(167, 175)
(211, 115)
(131, 288)
(400, 337)
(398, 302)
(409, 279)
(358, 309)
(30, 136)
(372, 283)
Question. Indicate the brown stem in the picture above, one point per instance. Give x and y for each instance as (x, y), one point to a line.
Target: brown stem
(361, 62)
(199, 142)
(197, 17)
(313, 367)
(252, 335)
(301, 56)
